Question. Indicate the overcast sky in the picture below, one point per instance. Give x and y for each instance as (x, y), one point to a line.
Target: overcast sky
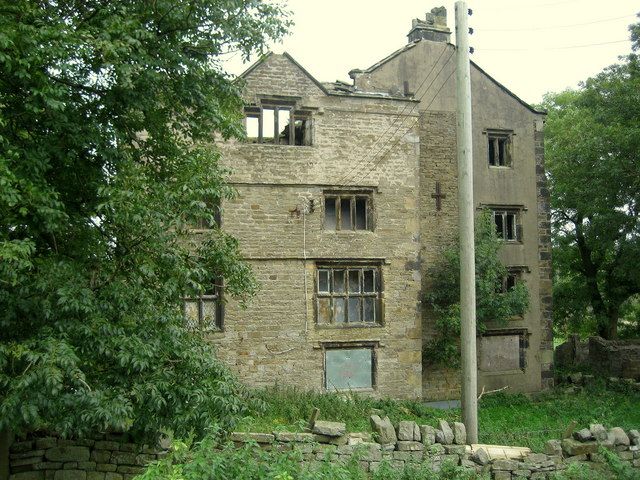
(521, 43)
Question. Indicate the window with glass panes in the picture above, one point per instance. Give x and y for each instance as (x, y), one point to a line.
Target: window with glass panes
(205, 312)
(348, 295)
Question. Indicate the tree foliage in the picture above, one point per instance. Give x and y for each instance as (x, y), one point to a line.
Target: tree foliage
(108, 112)
(494, 304)
(592, 149)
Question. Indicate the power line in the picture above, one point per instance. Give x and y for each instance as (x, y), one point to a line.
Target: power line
(390, 126)
(549, 48)
(552, 27)
(363, 161)
(415, 123)
(520, 6)
(359, 165)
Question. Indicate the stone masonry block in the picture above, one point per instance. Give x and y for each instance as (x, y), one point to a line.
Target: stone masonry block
(68, 454)
(405, 430)
(329, 429)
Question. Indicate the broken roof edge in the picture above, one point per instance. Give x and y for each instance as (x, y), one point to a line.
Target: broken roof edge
(343, 89)
(264, 57)
(372, 95)
(409, 46)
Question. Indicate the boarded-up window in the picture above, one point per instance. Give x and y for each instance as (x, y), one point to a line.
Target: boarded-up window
(500, 353)
(349, 368)
(348, 295)
(204, 313)
(347, 211)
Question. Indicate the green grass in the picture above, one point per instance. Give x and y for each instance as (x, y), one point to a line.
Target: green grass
(503, 419)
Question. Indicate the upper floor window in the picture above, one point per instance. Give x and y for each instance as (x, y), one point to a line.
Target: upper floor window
(347, 211)
(508, 225)
(204, 313)
(511, 279)
(499, 148)
(348, 295)
(278, 124)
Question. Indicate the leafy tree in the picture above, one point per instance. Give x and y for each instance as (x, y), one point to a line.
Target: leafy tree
(592, 145)
(495, 304)
(108, 111)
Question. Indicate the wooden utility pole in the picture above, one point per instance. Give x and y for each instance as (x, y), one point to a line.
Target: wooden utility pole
(466, 213)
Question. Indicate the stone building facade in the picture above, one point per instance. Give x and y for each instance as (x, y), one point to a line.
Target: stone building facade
(347, 196)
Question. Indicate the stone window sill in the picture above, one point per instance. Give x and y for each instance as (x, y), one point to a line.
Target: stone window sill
(348, 326)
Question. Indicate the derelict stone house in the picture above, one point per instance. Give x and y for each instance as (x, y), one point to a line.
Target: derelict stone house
(347, 196)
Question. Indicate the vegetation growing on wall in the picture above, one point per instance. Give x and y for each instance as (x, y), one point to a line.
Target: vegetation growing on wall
(494, 303)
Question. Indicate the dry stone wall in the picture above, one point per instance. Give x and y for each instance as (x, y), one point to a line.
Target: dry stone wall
(408, 443)
(108, 457)
(611, 358)
(400, 445)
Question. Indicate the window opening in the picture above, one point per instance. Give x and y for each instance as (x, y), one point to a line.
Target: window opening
(273, 124)
(499, 149)
(204, 313)
(347, 212)
(507, 226)
(510, 280)
(348, 295)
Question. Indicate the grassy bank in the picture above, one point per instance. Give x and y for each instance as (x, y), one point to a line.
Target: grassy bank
(504, 419)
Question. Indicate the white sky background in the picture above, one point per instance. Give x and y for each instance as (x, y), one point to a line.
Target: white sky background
(516, 41)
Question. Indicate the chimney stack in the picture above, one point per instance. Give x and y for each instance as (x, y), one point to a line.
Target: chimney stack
(433, 28)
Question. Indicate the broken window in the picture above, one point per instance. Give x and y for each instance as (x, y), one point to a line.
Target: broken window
(510, 280)
(349, 368)
(348, 295)
(507, 225)
(205, 312)
(499, 148)
(278, 124)
(500, 352)
(347, 211)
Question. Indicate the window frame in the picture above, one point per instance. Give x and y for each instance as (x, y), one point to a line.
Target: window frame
(353, 196)
(295, 114)
(505, 212)
(514, 272)
(214, 295)
(494, 139)
(376, 295)
(371, 345)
